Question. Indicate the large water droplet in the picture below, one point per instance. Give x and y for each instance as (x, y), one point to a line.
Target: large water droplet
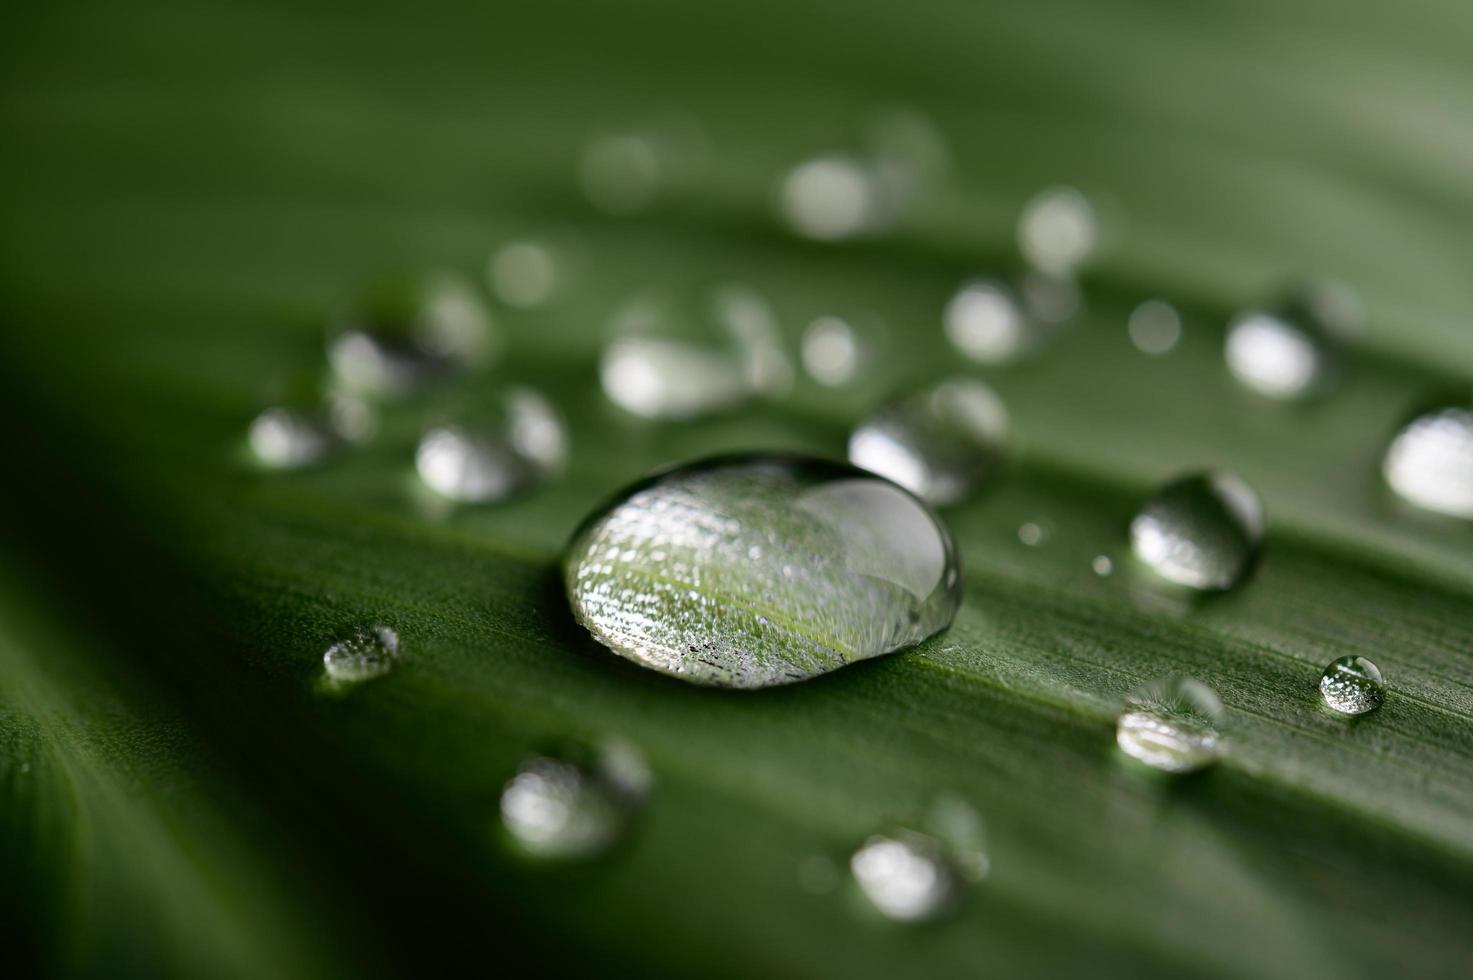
(1058, 231)
(940, 443)
(1171, 724)
(368, 653)
(408, 330)
(986, 323)
(289, 438)
(752, 570)
(518, 443)
(1352, 686)
(682, 356)
(1430, 462)
(574, 805)
(1202, 531)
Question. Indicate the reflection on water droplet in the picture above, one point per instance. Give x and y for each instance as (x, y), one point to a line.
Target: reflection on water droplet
(680, 357)
(1171, 724)
(574, 807)
(1430, 462)
(1202, 531)
(1058, 231)
(524, 273)
(1154, 327)
(849, 566)
(1102, 566)
(287, 438)
(367, 654)
(409, 330)
(984, 321)
(903, 875)
(940, 442)
(522, 442)
(1352, 686)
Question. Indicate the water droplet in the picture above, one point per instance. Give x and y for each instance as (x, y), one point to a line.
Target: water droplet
(833, 351)
(406, 331)
(522, 442)
(1171, 724)
(680, 357)
(1103, 566)
(1291, 349)
(1058, 231)
(627, 171)
(1032, 533)
(904, 876)
(1202, 531)
(1155, 327)
(288, 438)
(577, 805)
(940, 443)
(525, 274)
(368, 653)
(1352, 686)
(850, 567)
(984, 321)
(1430, 462)
(830, 198)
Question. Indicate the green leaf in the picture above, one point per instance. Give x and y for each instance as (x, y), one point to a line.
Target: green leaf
(190, 193)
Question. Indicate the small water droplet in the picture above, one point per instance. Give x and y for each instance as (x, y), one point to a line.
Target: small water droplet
(288, 438)
(903, 875)
(1058, 231)
(626, 171)
(1154, 327)
(1033, 533)
(368, 653)
(940, 442)
(880, 570)
(1171, 724)
(1352, 685)
(522, 442)
(1103, 566)
(405, 331)
(1291, 349)
(834, 352)
(575, 805)
(680, 357)
(1202, 531)
(525, 273)
(985, 323)
(1430, 462)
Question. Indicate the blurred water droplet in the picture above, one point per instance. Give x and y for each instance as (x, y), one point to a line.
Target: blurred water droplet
(1032, 533)
(903, 875)
(287, 438)
(524, 273)
(1171, 724)
(984, 321)
(1155, 327)
(1047, 299)
(1352, 685)
(1430, 462)
(408, 330)
(520, 442)
(368, 653)
(940, 442)
(833, 352)
(830, 198)
(1292, 348)
(1202, 531)
(1103, 566)
(846, 566)
(680, 357)
(628, 171)
(576, 806)
(1058, 231)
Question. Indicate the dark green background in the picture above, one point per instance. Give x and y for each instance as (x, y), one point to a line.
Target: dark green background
(187, 189)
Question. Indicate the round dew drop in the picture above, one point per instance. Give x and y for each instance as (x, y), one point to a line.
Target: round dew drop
(1202, 531)
(903, 876)
(575, 806)
(368, 653)
(1352, 686)
(523, 444)
(752, 570)
(287, 438)
(1430, 462)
